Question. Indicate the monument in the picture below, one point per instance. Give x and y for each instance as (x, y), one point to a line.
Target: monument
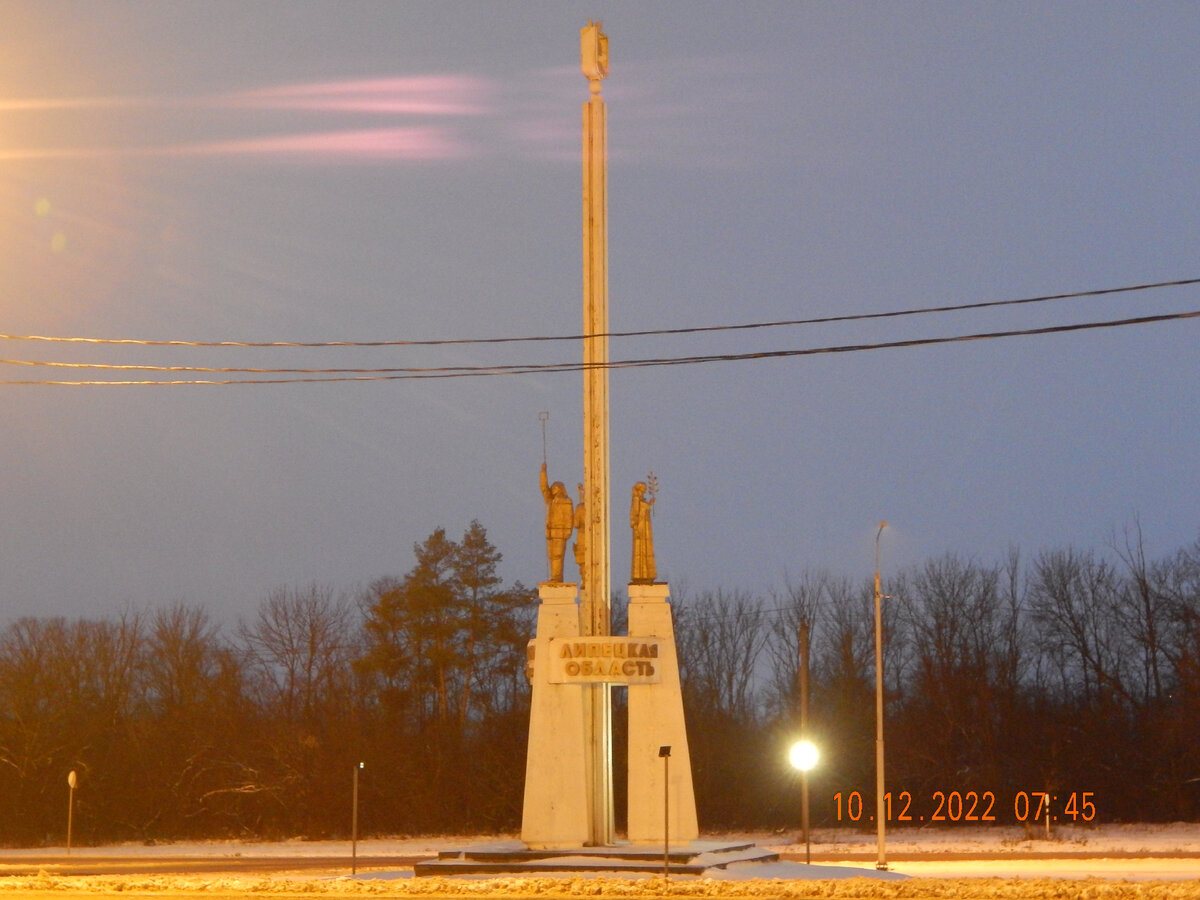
(567, 666)
(574, 660)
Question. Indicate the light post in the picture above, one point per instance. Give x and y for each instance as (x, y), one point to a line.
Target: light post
(804, 731)
(803, 756)
(880, 811)
(354, 823)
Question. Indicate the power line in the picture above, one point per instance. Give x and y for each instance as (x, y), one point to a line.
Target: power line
(397, 374)
(822, 320)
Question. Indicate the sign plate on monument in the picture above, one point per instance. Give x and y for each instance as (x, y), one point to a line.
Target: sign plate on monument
(604, 660)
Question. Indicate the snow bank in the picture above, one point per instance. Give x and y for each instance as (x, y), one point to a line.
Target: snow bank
(849, 889)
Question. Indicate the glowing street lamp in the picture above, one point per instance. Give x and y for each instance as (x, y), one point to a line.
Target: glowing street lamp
(804, 756)
(880, 814)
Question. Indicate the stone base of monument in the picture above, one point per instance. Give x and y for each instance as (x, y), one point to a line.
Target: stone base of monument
(515, 858)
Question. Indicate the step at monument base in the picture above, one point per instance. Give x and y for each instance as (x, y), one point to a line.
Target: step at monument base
(515, 858)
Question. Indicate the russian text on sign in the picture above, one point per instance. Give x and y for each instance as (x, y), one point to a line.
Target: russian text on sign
(613, 660)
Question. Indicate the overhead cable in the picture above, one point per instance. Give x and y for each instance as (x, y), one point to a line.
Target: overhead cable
(396, 374)
(821, 320)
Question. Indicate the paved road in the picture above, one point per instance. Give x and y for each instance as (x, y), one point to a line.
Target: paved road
(1024, 855)
(81, 864)
(934, 864)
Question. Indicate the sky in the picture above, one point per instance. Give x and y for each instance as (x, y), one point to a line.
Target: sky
(319, 172)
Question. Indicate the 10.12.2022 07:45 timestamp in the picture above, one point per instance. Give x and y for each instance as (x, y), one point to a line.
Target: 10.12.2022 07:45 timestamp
(972, 806)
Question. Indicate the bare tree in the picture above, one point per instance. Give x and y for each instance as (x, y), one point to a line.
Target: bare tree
(69, 695)
(720, 638)
(1074, 601)
(964, 637)
(299, 651)
(798, 613)
(300, 647)
(1144, 608)
(183, 658)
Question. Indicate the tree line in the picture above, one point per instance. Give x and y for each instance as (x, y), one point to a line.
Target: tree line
(1073, 672)
(1076, 673)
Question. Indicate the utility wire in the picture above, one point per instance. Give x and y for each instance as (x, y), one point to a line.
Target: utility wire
(396, 374)
(852, 317)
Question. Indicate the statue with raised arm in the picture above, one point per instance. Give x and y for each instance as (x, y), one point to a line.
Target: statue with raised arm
(559, 523)
(644, 570)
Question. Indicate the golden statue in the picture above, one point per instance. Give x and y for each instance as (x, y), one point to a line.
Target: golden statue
(644, 571)
(581, 535)
(559, 523)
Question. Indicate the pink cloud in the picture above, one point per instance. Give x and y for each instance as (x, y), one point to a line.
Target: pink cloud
(400, 98)
(364, 144)
(440, 95)
(397, 144)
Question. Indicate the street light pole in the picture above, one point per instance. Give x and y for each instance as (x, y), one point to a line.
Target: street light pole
(804, 734)
(803, 756)
(880, 810)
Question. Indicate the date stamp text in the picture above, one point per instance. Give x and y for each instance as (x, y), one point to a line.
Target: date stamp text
(970, 806)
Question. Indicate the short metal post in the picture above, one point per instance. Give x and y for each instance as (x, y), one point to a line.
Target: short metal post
(665, 753)
(354, 824)
(72, 780)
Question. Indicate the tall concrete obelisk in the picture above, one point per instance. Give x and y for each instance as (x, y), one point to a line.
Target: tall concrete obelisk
(596, 594)
(574, 659)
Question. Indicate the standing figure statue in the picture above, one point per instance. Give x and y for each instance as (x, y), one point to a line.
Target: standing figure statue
(644, 570)
(581, 536)
(559, 522)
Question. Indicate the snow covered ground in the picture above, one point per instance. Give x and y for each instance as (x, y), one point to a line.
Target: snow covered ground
(1110, 852)
(1178, 837)
(1072, 851)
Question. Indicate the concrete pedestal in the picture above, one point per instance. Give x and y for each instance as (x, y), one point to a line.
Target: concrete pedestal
(556, 811)
(656, 720)
(556, 791)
